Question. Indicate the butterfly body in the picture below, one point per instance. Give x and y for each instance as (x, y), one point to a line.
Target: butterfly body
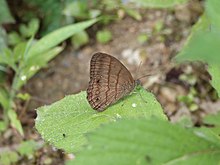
(110, 80)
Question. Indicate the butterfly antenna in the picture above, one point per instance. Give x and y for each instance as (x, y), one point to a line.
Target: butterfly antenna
(145, 76)
(139, 66)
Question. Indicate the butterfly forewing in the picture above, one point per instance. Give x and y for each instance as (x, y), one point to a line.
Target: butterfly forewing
(110, 80)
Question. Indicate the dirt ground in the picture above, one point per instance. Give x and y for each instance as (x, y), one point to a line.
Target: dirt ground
(68, 73)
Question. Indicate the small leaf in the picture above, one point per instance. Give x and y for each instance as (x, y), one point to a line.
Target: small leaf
(57, 36)
(212, 10)
(152, 141)
(7, 58)
(18, 51)
(14, 121)
(158, 3)
(30, 29)
(23, 96)
(80, 39)
(27, 148)
(4, 98)
(134, 14)
(8, 157)
(94, 13)
(5, 15)
(14, 38)
(77, 9)
(212, 131)
(35, 63)
(73, 117)
(3, 39)
(33, 26)
(214, 70)
(142, 38)
(159, 26)
(3, 69)
(3, 126)
(213, 120)
(103, 36)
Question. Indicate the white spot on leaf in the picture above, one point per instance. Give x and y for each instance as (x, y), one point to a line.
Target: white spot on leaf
(134, 105)
(118, 116)
(33, 68)
(23, 78)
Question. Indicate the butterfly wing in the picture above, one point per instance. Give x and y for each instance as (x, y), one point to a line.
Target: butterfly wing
(110, 80)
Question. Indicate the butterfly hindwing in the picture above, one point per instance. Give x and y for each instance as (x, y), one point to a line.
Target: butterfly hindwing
(109, 81)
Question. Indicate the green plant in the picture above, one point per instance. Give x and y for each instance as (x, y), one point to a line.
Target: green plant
(189, 99)
(57, 13)
(149, 141)
(80, 39)
(142, 38)
(24, 149)
(103, 36)
(26, 59)
(25, 32)
(5, 14)
(157, 3)
(66, 129)
(202, 44)
(134, 134)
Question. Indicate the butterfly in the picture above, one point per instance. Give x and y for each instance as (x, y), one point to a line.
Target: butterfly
(109, 81)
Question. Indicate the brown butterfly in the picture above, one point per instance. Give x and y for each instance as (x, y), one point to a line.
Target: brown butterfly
(110, 80)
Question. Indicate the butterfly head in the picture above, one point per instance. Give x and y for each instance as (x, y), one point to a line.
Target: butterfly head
(137, 82)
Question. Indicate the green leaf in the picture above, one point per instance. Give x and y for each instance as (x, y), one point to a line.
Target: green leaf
(64, 123)
(31, 29)
(8, 157)
(35, 63)
(27, 148)
(57, 36)
(104, 36)
(142, 38)
(19, 51)
(14, 38)
(203, 45)
(158, 3)
(94, 13)
(52, 14)
(14, 121)
(214, 70)
(213, 12)
(3, 126)
(200, 45)
(213, 120)
(77, 9)
(3, 39)
(159, 26)
(5, 15)
(7, 58)
(3, 69)
(212, 131)
(4, 98)
(80, 39)
(133, 13)
(23, 96)
(147, 142)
